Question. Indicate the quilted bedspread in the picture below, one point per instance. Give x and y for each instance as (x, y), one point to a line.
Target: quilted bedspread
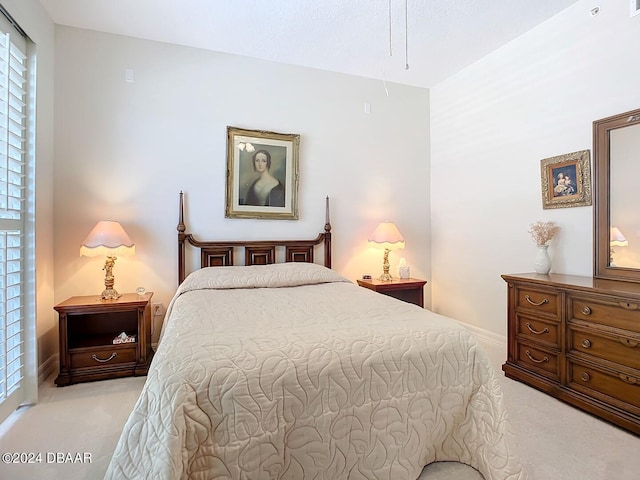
(292, 372)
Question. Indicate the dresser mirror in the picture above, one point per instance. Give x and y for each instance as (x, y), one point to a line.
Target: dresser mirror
(616, 145)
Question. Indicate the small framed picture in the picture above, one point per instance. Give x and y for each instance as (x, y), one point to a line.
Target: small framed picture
(262, 174)
(566, 180)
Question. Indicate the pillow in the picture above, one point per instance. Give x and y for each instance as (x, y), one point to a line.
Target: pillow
(291, 274)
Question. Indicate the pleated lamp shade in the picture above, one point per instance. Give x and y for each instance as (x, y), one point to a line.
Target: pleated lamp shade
(107, 239)
(386, 235)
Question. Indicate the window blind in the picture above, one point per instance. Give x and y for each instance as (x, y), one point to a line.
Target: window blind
(12, 128)
(13, 94)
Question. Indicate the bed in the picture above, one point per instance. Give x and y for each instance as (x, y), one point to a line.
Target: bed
(290, 371)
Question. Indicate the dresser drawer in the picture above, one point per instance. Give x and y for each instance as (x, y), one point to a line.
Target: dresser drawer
(538, 300)
(618, 314)
(607, 345)
(538, 330)
(538, 359)
(103, 356)
(619, 386)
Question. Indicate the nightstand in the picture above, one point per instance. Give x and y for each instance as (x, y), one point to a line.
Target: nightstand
(87, 328)
(406, 289)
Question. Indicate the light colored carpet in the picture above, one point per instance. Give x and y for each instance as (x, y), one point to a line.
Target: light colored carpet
(556, 441)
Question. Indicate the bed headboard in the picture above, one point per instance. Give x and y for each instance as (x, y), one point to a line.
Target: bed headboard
(256, 252)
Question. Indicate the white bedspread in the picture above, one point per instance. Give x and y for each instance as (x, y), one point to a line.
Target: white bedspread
(292, 372)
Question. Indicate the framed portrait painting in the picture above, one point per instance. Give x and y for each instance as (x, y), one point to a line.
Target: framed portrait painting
(566, 180)
(262, 174)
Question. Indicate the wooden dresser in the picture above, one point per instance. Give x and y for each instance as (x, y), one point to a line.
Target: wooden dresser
(577, 339)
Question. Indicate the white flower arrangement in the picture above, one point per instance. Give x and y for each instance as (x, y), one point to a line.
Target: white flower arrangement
(543, 232)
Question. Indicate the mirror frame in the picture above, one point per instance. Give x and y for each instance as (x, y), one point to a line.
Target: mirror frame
(601, 217)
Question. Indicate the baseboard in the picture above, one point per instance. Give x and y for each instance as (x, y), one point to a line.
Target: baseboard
(46, 368)
(496, 345)
(486, 337)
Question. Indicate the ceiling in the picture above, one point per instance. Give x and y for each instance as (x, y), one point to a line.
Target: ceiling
(348, 36)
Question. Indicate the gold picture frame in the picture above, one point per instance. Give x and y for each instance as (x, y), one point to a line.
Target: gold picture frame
(262, 174)
(566, 180)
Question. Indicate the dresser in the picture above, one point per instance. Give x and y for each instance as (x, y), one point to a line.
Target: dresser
(577, 339)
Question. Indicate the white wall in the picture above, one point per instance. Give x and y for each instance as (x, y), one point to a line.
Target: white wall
(491, 124)
(125, 150)
(33, 19)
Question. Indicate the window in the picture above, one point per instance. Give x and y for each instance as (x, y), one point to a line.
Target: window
(13, 196)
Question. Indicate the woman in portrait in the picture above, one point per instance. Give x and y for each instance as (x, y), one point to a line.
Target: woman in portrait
(266, 191)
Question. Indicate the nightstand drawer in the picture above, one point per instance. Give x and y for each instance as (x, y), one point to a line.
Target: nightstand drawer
(538, 300)
(538, 330)
(608, 345)
(103, 357)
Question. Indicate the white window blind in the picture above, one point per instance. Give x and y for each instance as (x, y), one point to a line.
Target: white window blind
(12, 128)
(13, 94)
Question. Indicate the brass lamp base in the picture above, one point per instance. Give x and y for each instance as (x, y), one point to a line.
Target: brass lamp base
(386, 276)
(109, 293)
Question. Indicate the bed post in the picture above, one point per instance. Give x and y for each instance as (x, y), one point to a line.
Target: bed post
(181, 237)
(327, 237)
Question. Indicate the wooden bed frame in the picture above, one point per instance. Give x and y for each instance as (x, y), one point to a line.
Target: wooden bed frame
(256, 252)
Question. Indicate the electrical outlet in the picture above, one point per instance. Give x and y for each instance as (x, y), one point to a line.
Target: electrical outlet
(157, 309)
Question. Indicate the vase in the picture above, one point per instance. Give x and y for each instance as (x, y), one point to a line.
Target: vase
(542, 263)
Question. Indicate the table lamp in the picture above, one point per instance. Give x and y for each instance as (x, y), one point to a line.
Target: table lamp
(109, 239)
(387, 236)
(616, 239)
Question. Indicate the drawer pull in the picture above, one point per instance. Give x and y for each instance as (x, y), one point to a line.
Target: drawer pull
(535, 304)
(585, 377)
(627, 342)
(105, 360)
(629, 306)
(629, 379)
(586, 343)
(537, 332)
(586, 310)
(528, 354)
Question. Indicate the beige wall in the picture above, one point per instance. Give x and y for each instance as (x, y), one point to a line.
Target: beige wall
(124, 151)
(492, 124)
